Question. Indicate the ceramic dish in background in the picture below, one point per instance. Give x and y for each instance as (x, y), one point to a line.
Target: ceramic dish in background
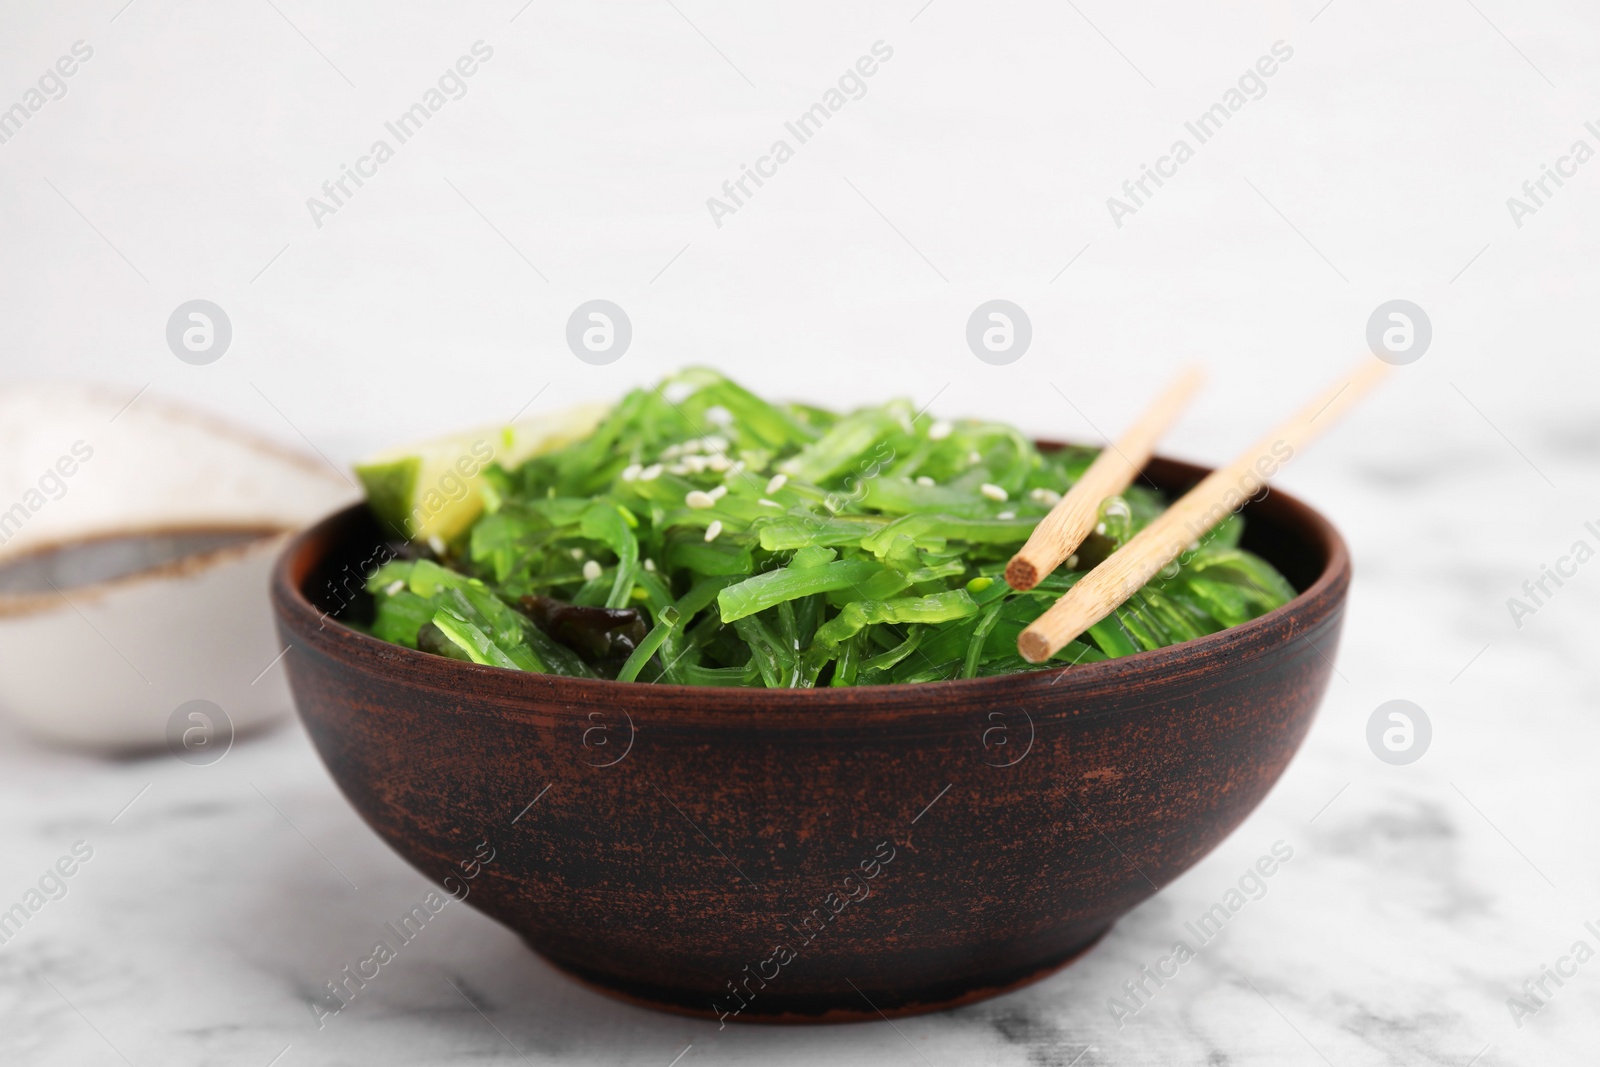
(104, 640)
(812, 855)
(135, 544)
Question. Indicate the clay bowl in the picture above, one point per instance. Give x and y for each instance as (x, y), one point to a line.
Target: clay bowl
(796, 856)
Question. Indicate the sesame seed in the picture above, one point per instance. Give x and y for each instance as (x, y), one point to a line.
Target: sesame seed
(737, 468)
(924, 480)
(939, 430)
(714, 529)
(974, 456)
(696, 464)
(1072, 562)
(631, 472)
(691, 445)
(650, 565)
(650, 473)
(994, 492)
(699, 498)
(715, 443)
(672, 452)
(1100, 528)
(717, 415)
(719, 463)
(776, 482)
(1006, 515)
(436, 543)
(394, 587)
(1045, 496)
(718, 492)
(677, 468)
(769, 503)
(591, 570)
(577, 553)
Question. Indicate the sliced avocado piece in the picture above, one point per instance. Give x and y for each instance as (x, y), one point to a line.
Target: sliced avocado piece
(430, 490)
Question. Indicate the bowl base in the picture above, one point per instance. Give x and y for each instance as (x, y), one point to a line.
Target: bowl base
(821, 1009)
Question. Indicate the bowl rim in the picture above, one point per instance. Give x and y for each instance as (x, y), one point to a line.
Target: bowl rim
(1236, 645)
(263, 539)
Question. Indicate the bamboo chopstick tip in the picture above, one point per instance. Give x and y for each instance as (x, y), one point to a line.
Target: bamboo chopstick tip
(1035, 648)
(1021, 574)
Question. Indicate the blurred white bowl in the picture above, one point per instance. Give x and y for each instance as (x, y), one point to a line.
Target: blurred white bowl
(135, 543)
(104, 665)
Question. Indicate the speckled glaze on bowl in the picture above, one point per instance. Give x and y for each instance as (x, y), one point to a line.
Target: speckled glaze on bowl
(796, 856)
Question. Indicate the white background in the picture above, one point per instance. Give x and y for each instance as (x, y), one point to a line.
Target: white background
(978, 164)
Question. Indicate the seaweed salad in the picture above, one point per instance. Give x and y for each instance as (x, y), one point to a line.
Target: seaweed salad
(696, 534)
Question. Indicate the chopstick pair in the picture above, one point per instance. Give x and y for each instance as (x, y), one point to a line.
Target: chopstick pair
(1190, 518)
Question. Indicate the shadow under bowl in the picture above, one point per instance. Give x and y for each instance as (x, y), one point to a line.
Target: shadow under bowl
(813, 855)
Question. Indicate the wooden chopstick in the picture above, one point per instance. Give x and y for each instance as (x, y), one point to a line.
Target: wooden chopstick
(1113, 470)
(1220, 493)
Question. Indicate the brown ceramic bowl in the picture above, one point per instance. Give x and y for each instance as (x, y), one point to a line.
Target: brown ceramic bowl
(785, 856)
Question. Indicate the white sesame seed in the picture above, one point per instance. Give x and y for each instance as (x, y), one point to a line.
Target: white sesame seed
(939, 430)
(1045, 496)
(769, 503)
(974, 456)
(715, 443)
(677, 468)
(1100, 528)
(436, 543)
(1072, 562)
(699, 498)
(719, 463)
(924, 480)
(651, 473)
(678, 392)
(672, 452)
(776, 482)
(577, 553)
(994, 492)
(714, 529)
(631, 472)
(717, 415)
(1006, 515)
(1194, 546)
(591, 570)
(736, 469)
(696, 464)
(394, 587)
(650, 565)
(691, 445)
(718, 492)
